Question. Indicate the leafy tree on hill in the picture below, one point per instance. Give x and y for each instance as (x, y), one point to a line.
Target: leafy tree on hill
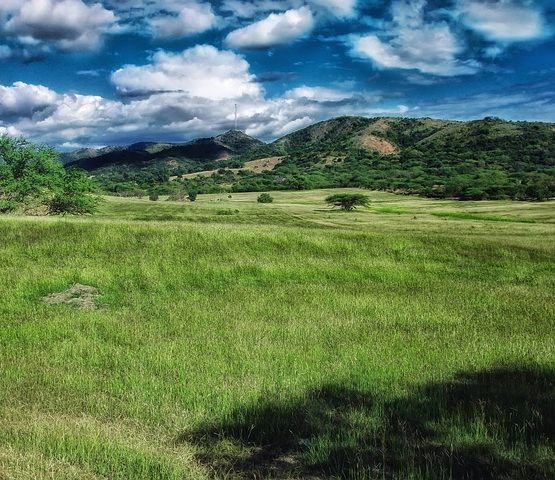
(347, 201)
(32, 180)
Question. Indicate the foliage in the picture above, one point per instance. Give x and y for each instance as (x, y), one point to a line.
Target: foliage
(153, 197)
(192, 195)
(265, 198)
(478, 160)
(32, 180)
(347, 201)
(74, 195)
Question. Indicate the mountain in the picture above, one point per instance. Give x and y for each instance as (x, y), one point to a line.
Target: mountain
(147, 153)
(84, 153)
(488, 158)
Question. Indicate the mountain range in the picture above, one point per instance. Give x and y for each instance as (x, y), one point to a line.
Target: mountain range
(488, 158)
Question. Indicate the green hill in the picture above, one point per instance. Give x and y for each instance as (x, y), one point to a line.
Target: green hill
(489, 158)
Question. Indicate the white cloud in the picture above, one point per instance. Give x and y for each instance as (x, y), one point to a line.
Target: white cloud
(23, 100)
(68, 24)
(191, 18)
(320, 94)
(200, 71)
(244, 9)
(11, 130)
(502, 20)
(275, 29)
(338, 8)
(414, 44)
(192, 94)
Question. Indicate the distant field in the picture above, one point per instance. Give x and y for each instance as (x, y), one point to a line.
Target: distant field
(412, 339)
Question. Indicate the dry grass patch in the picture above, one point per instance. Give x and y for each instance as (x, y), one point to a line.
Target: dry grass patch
(260, 165)
(377, 144)
(83, 297)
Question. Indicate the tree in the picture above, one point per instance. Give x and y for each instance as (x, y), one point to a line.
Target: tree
(74, 196)
(33, 180)
(192, 194)
(265, 198)
(347, 201)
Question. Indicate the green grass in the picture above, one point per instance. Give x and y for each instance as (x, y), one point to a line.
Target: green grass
(283, 340)
(488, 218)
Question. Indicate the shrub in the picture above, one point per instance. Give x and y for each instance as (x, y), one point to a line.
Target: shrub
(177, 197)
(7, 206)
(153, 197)
(192, 195)
(265, 198)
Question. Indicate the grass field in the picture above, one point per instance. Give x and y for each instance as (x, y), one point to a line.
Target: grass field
(413, 339)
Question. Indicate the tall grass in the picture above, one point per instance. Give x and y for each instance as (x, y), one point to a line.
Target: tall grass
(361, 346)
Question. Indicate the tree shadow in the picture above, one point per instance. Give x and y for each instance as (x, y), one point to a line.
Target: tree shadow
(493, 424)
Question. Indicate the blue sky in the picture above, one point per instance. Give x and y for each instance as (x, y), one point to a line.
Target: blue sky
(79, 73)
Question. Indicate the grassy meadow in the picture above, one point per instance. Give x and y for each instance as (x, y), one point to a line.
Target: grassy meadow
(413, 339)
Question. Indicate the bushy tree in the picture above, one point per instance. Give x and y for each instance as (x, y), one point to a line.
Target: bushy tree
(192, 195)
(33, 180)
(347, 201)
(74, 197)
(265, 198)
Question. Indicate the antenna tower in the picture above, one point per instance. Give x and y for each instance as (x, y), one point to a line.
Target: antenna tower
(235, 116)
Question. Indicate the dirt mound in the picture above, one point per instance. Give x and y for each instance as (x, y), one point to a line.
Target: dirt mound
(80, 296)
(377, 144)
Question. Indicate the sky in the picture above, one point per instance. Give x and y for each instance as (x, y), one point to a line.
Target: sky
(90, 73)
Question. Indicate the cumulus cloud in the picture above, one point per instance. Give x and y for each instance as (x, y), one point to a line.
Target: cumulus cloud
(200, 71)
(412, 43)
(192, 18)
(191, 94)
(23, 100)
(502, 20)
(68, 24)
(275, 29)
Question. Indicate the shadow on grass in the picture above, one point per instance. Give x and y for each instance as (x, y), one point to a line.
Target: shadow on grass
(494, 424)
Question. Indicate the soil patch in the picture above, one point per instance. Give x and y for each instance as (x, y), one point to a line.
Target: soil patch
(378, 144)
(80, 296)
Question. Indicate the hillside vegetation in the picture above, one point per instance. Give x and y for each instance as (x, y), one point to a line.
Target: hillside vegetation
(488, 158)
(412, 338)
